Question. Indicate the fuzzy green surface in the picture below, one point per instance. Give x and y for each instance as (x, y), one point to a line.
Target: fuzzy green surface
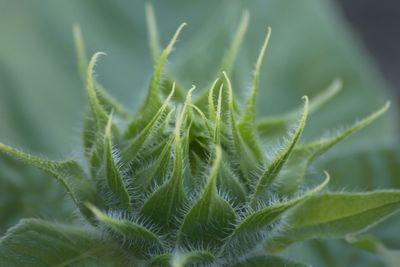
(192, 181)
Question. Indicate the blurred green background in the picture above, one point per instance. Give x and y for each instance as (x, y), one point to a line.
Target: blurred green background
(42, 101)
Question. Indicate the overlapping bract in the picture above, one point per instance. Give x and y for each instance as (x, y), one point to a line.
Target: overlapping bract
(189, 182)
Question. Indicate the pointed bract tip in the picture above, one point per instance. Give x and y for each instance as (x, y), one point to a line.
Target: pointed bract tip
(306, 107)
(189, 95)
(172, 92)
(245, 15)
(149, 9)
(225, 76)
(268, 35)
(387, 105)
(338, 81)
(382, 110)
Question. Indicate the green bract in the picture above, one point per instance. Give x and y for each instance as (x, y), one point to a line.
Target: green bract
(189, 182)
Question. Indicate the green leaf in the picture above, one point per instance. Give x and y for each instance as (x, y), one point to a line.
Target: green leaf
(187, 110)
(229, 182)
(248, 232)
(153, 101)
(281, 158)
(238, 148)
(154, 174)
(217, 120)
(302, 155)
(27, 191)
(391, 257)
(367, 169)
(113, 174)
(132, 149)
(348, 213)
(204, 120)
(96, 122)
(189, 121)
(327, 143)
(68, 173)
(193, 258)
(165, 203)
(127, 230)
(326, 33)
(183, 259)
(247, 122)
(162, 260)
(268, 261)
(249, 115)
(99, 114)
(39, 243)
(211, 106)
(265, 216)
(208, 221)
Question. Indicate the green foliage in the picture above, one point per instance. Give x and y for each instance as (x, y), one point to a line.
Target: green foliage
(347, 214)
(41, 243)
(188, 183)
(390, 257)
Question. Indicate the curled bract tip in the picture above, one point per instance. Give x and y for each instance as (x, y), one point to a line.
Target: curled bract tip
(94, 59)
(192, 88)
(99, 54)
(327, 176)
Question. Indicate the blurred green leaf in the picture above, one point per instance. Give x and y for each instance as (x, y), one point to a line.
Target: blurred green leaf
(268, 261)
(210, 219)
(391, 257)
(127, 229)
(333, 215)
(28, 192)
(40, 243)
